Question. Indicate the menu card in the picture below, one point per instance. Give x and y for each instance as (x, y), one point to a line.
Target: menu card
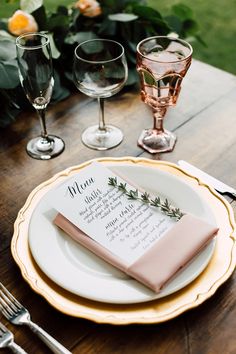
(127, 228)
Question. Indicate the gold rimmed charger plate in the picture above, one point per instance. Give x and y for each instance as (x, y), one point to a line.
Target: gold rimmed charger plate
(217, 272)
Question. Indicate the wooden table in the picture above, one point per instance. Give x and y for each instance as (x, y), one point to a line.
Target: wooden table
(204, 121)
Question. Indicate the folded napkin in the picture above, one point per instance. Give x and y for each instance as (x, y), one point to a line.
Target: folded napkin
(163, 260)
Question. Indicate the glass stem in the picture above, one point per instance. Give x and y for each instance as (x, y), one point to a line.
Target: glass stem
(44, 143)
(41, 114)
(101, 125)
(158, 116)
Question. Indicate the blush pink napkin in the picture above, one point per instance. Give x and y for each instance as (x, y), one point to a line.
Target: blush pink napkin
(163, 260)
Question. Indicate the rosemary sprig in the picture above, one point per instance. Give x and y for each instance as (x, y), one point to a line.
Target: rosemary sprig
(163, 206)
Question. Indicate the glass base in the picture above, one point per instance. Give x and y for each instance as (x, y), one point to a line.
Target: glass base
(97, 139)
(41, 149)
(154, 141)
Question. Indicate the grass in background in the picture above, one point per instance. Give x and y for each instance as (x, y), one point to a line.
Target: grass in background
(216, 19)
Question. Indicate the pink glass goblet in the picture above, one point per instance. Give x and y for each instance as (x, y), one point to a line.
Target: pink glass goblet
(162, 63)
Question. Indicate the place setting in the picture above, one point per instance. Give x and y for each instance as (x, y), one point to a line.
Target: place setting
(119, 240)
(105, 293)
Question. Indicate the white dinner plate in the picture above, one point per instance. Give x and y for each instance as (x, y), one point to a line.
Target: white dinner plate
(81, 272)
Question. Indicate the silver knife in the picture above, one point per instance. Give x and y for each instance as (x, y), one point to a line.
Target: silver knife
(209, 180)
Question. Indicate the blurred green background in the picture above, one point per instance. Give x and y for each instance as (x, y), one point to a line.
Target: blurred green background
(216, 19)
(217, 24)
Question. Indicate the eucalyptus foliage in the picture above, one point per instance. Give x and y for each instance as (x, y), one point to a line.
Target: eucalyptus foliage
(126, 21)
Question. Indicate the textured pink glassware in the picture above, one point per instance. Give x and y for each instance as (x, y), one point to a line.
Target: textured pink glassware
(162, 63)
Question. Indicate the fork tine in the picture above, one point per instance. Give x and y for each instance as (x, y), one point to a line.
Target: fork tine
(8, 301)
(10, 296)
(3, 329)
(5, 309)
(7, 304)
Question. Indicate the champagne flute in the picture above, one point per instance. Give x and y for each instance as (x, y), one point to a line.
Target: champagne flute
(100, 71)
(36, 77)
(162, 63)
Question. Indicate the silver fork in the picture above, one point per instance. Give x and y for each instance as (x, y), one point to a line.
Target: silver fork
(19, 315)
(7, 340)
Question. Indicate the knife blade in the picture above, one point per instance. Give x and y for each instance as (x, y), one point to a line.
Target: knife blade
(207, 179)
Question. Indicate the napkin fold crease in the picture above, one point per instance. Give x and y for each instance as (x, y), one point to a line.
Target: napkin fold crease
(163, 260)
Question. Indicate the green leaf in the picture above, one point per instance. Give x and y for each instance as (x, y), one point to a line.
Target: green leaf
(162, 25)
(108, 27)
(30, 5)
(190, 27)
(111, 6)
(200, 40)
(182, 11)
(85, 36)
(71, 39)
(3, 24)
(174, 23)
(6, 35)
(62, 10)
(93, 47)
(109, 3)
(41, 18)
(148, 78)
(131, 57)
(122, 17)
(69, 76)
(7, 49)
(146, 12)
(132, 46)
(75, 13)
(59, 91)
(54, 50)
(153, 17)
(9, 77)
(9, 111)
(80, 37)
(58, 21)
(132, 77)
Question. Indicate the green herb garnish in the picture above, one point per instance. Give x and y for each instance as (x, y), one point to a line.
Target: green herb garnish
(163, 206)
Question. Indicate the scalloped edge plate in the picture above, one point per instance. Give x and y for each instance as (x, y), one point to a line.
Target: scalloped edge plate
(216, 273)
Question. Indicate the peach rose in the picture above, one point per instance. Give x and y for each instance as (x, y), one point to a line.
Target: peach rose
(89, 8)
(22, 22)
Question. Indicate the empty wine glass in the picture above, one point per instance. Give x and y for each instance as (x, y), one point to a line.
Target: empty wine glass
(162, 63)
(100, 71)
(36, 77)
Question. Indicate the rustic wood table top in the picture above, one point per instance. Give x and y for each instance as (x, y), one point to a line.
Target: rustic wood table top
(204, 122)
